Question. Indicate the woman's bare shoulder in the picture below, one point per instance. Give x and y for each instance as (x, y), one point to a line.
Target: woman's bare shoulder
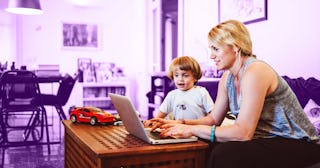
(260, 69)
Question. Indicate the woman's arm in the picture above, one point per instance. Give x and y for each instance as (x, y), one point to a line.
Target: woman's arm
(258, 81)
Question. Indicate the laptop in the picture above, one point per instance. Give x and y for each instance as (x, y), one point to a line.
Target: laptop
(134, 125)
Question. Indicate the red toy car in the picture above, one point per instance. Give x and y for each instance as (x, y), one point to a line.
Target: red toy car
(92, 115)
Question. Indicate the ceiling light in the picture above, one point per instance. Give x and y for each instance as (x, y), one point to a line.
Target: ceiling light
(24, 7)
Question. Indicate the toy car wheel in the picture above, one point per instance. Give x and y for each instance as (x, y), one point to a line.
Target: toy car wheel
(73, 118)
(93, 121)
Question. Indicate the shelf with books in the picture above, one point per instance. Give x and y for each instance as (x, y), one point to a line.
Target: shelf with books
(96, 94)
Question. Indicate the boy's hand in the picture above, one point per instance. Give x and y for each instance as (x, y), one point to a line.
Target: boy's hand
(147, 123)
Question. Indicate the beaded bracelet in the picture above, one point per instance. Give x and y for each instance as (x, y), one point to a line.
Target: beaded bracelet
(213, 128)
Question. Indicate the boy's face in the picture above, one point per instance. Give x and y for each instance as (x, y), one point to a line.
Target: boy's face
(184, 80)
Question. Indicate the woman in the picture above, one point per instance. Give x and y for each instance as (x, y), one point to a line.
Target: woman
(271, 128)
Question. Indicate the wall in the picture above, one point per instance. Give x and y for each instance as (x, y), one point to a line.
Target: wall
(123, 39)
(7, 35)
(288, 40)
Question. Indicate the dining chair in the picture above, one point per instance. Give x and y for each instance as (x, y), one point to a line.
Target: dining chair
(61, 98)
(2, 149)
(17, 89)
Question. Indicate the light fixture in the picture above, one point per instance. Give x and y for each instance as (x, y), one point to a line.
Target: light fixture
(24, 7)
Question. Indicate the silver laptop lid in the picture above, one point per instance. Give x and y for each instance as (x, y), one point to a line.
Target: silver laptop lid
(128, 115)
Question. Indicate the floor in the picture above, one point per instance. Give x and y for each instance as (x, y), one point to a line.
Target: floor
(37, 156)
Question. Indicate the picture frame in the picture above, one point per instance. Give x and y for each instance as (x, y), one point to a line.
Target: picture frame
(103, 71)
(81, 35)
(246, 11)
(85, 67)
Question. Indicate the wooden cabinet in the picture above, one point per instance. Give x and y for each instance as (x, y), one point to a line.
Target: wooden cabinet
(96, 94)
(112, 146)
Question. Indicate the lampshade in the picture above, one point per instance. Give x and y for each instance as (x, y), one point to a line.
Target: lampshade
(24, 7)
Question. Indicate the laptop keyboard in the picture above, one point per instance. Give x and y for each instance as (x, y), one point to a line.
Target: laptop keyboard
(156, 135)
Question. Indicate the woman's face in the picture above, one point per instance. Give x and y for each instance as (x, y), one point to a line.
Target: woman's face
(223, 56)
(183, 80)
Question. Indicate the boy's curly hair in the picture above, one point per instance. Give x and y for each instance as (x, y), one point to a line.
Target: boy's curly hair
(185, 63)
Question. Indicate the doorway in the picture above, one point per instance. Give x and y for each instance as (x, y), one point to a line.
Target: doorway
(169, 32)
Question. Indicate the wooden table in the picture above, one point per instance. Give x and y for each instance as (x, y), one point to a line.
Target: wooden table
(89, 146)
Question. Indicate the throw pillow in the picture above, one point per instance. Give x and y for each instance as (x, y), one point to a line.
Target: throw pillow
(312, 110)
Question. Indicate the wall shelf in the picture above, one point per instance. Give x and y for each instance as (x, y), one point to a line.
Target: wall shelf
(96, 94)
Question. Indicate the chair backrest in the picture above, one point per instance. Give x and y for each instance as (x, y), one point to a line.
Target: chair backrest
(65, 89)
(18, 85)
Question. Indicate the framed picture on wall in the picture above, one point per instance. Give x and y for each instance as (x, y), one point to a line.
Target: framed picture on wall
(81, 35)
(246, 11)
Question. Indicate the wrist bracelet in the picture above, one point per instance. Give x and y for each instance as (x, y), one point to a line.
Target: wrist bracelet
(213, 128)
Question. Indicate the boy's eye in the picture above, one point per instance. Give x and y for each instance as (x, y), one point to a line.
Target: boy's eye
(185, 75)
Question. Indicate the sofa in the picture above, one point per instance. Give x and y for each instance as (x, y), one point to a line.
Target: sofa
(308, 94)
(306, 90)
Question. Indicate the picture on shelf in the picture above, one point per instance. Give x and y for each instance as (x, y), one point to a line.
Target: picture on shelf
(102, 71)
(85, 67)
(98, 71)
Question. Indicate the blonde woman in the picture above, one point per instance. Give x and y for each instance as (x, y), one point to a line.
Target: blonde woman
(271, 128)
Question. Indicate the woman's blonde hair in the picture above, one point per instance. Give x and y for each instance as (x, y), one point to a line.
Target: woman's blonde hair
(232, 33)
(185, 63)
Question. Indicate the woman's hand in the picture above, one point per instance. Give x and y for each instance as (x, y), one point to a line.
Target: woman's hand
(155, 123)
(176, 130)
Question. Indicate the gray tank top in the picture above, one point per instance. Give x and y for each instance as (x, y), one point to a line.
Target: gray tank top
(282, 115)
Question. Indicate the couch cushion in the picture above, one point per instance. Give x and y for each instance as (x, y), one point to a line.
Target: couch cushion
(312, 109)
(305, 89)
(298, 87)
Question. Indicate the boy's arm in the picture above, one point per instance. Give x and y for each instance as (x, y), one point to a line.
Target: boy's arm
(160, 115)
(148, 123)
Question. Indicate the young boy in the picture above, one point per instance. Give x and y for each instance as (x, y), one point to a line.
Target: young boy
(187, 101)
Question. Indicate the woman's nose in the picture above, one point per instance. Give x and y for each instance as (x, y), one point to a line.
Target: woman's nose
(213, 56)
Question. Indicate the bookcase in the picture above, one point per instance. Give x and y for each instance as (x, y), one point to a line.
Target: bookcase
(96, 94)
